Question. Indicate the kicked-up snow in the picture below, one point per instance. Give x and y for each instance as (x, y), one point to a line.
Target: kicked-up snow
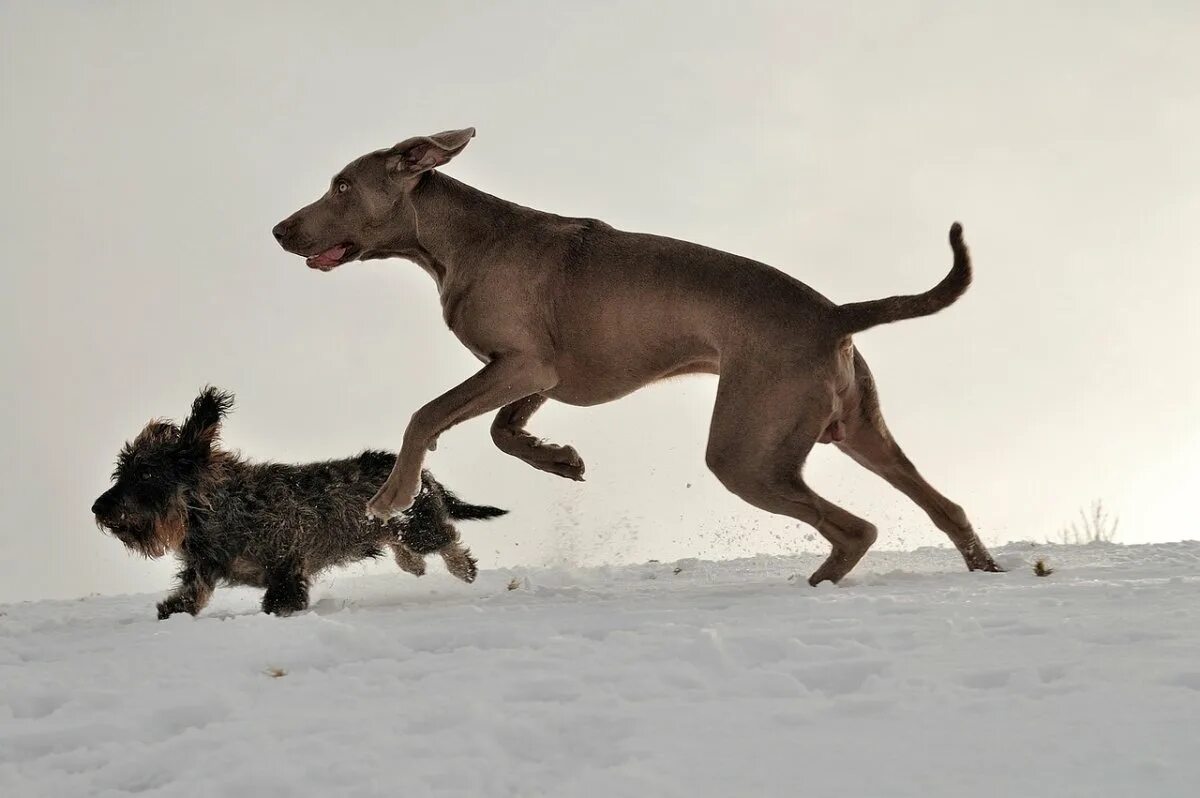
(912, 678)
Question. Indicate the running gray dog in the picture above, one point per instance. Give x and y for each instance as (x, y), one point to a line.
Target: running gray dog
(266, 525)
(574, 310)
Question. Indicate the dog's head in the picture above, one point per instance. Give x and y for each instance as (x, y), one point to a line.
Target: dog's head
(366, 212)
(146, 508)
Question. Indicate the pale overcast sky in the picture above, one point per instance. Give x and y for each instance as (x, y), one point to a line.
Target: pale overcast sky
(148, 148)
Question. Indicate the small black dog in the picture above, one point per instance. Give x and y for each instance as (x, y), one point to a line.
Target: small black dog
(265, 525)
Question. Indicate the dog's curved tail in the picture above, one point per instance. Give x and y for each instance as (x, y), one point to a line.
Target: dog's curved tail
(460, 510)
(858, 316)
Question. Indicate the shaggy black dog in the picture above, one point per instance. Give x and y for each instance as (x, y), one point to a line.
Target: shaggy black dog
(265, 525)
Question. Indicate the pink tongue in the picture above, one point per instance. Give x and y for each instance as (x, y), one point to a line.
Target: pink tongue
(329, 257)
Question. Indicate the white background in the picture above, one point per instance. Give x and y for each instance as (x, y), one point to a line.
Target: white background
(149, 148)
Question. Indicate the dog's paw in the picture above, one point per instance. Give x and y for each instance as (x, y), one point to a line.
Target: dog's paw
(408, 560)
(283, 605)
(389, 503)
(460, 563)
(470, 573)
(173, 606)
(561, 460)
(381, 511)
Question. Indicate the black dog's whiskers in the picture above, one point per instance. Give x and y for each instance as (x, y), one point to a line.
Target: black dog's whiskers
(267, 525)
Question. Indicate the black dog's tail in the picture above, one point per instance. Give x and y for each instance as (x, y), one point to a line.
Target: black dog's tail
(460, 510)
(858, 316)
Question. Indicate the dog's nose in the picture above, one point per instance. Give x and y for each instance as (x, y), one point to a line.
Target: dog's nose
(102, 505)
(284, 230)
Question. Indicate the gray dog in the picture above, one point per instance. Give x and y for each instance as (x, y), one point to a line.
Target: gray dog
(577, 311)
(266, 525)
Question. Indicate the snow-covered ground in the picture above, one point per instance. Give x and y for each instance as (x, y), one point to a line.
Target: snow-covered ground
(913, 678)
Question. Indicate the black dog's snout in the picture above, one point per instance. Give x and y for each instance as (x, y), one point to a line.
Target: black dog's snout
(104, 505)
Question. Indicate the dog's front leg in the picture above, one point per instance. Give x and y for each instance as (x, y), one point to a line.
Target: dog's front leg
(505, 379)
(287, 589)
(511, 437)
(195, 589)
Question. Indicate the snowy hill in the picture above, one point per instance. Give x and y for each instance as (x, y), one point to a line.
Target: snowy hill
(725, 679)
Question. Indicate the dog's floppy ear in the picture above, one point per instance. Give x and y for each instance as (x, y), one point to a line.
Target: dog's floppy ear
(204, 423)
(422, 153)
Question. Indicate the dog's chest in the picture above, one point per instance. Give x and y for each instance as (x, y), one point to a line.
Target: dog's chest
(481, 322)
(453, 307)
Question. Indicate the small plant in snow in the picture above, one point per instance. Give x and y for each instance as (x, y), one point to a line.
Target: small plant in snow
(1094, 526)
(1040, 569)
(514, 583)
(275, 673)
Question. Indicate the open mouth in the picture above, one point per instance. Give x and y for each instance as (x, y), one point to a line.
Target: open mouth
(332, 257)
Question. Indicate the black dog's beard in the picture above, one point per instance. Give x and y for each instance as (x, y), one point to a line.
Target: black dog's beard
(137, 538)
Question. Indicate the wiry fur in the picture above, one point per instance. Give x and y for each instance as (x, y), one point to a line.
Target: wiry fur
(267, 525)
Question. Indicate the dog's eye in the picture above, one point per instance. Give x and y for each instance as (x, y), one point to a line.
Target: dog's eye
(145, 473)
(342, 187)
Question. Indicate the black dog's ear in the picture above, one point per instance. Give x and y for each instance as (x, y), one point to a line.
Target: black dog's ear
(203, 425)
(422, 153)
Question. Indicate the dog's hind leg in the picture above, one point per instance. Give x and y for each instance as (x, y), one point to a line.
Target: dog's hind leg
(459, 561)
(870, 444)
(511, 437)
(762, 430)
(408, 560)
